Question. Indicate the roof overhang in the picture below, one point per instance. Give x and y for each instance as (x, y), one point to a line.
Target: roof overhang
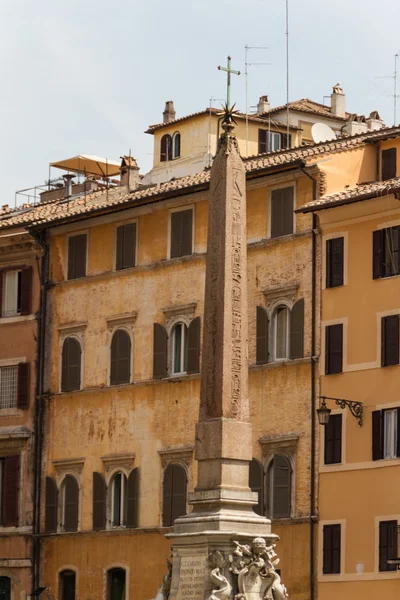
(89, 164)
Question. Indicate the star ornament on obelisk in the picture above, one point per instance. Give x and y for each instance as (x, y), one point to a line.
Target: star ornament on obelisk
(222, 537)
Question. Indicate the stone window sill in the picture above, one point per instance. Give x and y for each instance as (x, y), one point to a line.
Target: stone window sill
(17, 319)
(281, 363)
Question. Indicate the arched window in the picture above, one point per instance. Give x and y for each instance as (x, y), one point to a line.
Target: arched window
(71, 365)
(176, 145)
(118, 500)
(120, 371)
(179, 348)
(256, 484)
(69, 504)
(67, 583)
(5, 588)
(281, 330)
(116, 583)
(166, 148)
(279, 487)
(174, 494)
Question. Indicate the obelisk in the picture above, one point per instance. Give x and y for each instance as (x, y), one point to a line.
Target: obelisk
(222, 501)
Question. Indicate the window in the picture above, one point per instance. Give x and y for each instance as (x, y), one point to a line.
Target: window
(279, 487)
(281, 334)
(16, 292)
(386, 245)
(333, 440)
(390, 340)
(126, 246)
(166, 148)
(51, 510)
(120, 369)
(77, 248)
(176, 145)
(14, 386)
(71, 365)
(116, 582)
(282, 211)
(123, 500)
(386, 434)
(174, 494)
(9, 488)
(69, 504)
(67, 585)
(179, 348)
(331, 549)
(287, 333)
(256, 484)
(334, 262)
(389, 160)
(181, 233)
(119, 489)
(388, 544)
(333, 349)
(5, 588)
(271, 141)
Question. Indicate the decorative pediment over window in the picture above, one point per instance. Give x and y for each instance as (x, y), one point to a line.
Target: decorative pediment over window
(115, 321)
(13, 439)
(276, 295)
(77, 329)
(68, 465)
(180, 312)
(178, 454)
(279, 444)
(118, 461)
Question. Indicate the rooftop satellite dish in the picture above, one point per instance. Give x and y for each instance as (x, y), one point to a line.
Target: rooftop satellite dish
(322, 133)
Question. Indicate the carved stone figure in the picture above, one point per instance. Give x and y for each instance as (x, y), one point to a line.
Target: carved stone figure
(164, 589)
(217, 561)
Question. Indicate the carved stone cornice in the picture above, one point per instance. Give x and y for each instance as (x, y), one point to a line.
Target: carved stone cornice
(286, 443)
(183, 454)
(113, 461)
(123, 319)
(279, 293)
(179, 310)
(68, 465)
(13, 439)
(69, 328)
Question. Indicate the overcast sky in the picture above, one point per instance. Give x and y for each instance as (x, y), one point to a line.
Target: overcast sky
(89, 76)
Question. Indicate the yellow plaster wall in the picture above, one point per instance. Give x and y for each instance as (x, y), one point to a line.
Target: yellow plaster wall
(346, 169)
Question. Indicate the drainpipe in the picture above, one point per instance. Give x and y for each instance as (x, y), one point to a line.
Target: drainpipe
(313, 518)
(41, 238)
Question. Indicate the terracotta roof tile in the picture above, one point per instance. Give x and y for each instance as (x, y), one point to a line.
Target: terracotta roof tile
(309, 106)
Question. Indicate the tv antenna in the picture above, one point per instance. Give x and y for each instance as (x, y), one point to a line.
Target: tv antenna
(287, 71)
(395, 95)
(246, 75)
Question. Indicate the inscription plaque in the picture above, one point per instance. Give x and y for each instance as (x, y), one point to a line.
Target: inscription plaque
(192, 578)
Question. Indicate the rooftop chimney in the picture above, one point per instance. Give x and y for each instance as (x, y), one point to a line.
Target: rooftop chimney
(68, 185)
(374, 121)
(263, 105)
(338, 101)
(169, 112)
(129, 172)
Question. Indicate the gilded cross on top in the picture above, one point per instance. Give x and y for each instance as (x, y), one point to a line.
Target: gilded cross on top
(228, 70)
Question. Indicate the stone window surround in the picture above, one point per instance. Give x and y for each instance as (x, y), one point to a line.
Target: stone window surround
(180, 313)
(116, 565)
(285, 445)
(276, 296)
(125, 321)
(67, 567)
(77, 331)
(179, 455)
(112, 464)
(13, 440)
(63, 467)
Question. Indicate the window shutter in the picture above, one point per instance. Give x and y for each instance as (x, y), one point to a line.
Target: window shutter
(51, 505)
(179, 484)
(390, 340)
(71, 365)
(99, 501)
(194, 346)
(256, 484)
(262, 141)
(176, 234)
(71, 257)
(23, 385)
(286, 141)
(77, 245)
(163, 149)
(398, 433)
(1, 293)
(133, 499)
(389, 160)
(11, 489)
(120, 248)
(160, 352)
(333, 349)
(26, 291)
(377, 435)
(187, 232)
(126, 246)
(176, 146)
(261, 336)
(71, 498)
(387, 544)
(167, 497)
(282, 211)
(331, 549)
(68, 585)
(297, 330)
(282, 487)
(377, 267)
(334, 262)
(333, 440)
(120, 358)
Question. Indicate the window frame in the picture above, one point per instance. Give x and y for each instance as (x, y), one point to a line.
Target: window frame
(80, 339)
(117, 226)
(128, 331)
(327, 367)
(269, 488)
(274, 332)
(10, 580)
(67, 237)
(169, 245)
(111, 499)
(18, 292)
(175, 462)
(332, 572)
(184, 348)
(378, 522)
(61, 502)
(14, 366)
(107, 571)
(273, 188)
(174, 137)
(67, 569)
(394, 412)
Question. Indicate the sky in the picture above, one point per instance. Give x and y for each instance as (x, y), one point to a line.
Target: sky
(89, 76)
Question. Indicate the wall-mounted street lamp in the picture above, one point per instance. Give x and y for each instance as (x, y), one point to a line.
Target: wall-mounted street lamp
(356, 409)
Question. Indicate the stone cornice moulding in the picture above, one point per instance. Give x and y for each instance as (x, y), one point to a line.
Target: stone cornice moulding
(183, 454)
(13, 439)
(128, 318)
(279, 293)
(68, 465)
(174, 313)
(69, 328)
(123, 461)
(272, 443)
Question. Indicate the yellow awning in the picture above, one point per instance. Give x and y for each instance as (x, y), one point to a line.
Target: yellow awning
(89, 164)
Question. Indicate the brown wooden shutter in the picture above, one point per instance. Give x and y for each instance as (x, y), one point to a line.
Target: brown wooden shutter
(377, 435)
(126, 246)
(179, 491)
(26, 291)
(261, 336)
(286, 141)
(378, 254)
(159, 352)
(398, 433)
(262, 141)
(77, 248)
(331, 549)
(282, 211)
(194, 346)
(387, 544)
(187, 232)
(334, 262)
(51, 510)
(67, 585)
(1, 293)
(176, 145)
(120, 358)
(167, 497)
(71, 499)
(333, 440)
(120, 248)
(23, 385)
(11, 490)
(390, 340)
(333, 349)
(163, 149)
(133, 499)
(256, 484)
(176, 234)
(297, 330)
(99, 501)
(71, 365)
(282, 487)
(389, 163)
